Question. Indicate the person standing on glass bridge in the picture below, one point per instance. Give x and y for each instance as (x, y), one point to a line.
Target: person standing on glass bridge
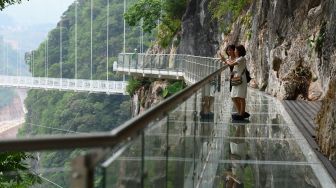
(238, 81)
(229, 50)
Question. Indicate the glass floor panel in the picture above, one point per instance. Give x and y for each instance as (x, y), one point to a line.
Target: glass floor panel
(230, 148)
(197, 146)
(220, 173)
(252, 131)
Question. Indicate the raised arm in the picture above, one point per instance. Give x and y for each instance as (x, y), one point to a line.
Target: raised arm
(232, 62)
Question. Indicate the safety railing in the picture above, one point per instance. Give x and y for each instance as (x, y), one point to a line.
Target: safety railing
(78, 85)
(119, 139)
(172, 66)
(189, 140)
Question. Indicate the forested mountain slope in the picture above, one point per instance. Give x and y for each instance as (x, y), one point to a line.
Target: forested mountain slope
(56, 112)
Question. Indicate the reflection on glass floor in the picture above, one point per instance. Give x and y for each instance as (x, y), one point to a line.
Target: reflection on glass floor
(198, 145)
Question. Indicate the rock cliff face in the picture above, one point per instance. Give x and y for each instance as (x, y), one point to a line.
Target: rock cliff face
(13, 111)
(12, 115)
(291, 51)
(199, 32)
(327, 123)
(147, 96)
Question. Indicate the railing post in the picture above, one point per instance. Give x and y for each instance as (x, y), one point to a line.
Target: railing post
(143, 65)
(168, 63)
(159, 65)
(129, 64)
(167, 149)
(82, 174)
(175, 65)
(151, 68)
(143, 173)
(123, 63)
(194, 138)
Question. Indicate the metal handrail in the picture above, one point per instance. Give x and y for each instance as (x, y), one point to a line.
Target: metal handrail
(185, 55)
(62, 84)
(127, 131)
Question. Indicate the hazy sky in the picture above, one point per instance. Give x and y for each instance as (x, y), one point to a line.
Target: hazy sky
(37, 11)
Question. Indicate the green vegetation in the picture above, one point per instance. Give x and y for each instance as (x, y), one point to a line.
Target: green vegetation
(173, 88)
(132, 85)
(249, 178)
(227, 12)
(57, 112)
(317, 43)
(320, 40)
(14, 172)
(5, 3)
(14, 168)
(148, 12)
(247, 21)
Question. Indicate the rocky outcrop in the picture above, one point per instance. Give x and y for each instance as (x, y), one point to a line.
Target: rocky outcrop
(285, 46)
(12, 115)
(13, 111)
(148, 95)
(327, 123)
(291, 51)
(199, 32)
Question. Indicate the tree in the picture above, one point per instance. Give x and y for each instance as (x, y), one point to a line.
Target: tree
(5, 3)
(168, 12)
(14, 172)
(148, 10)
(59, 112)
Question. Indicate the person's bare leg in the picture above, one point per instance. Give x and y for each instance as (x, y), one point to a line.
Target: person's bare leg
(229, 183)
(240, 104)
(236, 104)
(244, 105)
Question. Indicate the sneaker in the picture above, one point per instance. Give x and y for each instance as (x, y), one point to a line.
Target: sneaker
(237, 117)
(246, 115)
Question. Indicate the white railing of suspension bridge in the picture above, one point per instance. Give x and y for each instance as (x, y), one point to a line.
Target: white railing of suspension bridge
(174, 66)
(79, 85)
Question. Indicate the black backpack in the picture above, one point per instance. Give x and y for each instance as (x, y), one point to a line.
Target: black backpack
(248, 76)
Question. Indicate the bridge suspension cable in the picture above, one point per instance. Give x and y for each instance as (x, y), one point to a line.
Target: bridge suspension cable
(7, 59)
(40, 57)
(17, 59)
(124, 45)
(69, 130)
(141, 36)
(3, 56)
(61, 52)
(46, 51)
(46, 57)
(107, 39)
(32, 62)
(19, 52)
(76, 30)
(91, 36)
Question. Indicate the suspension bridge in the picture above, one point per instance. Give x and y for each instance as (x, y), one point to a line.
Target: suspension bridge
(190, 134)
(16, 78)
(162, 66)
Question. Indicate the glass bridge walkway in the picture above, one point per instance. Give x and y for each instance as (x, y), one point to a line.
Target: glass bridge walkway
(190, 140)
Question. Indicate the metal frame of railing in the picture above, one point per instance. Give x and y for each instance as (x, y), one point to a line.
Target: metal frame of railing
(172, 66)
(83, 166)
(79, 85)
